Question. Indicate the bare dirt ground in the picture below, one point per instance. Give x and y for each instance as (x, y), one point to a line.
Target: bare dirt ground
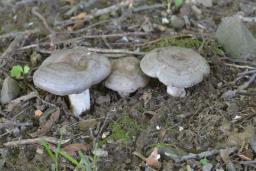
(117, 132)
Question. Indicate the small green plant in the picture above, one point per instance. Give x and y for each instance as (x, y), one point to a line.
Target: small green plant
(18, 71)
(187, 42)
(203, 161)
(124, 129)
(84, 163)
(178, 3)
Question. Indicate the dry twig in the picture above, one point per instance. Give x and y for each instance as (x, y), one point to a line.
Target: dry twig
(35, 140)
(109, 51)
(24, 98)
(10, 51)
(203, 154)
(10, 124)
(17, 101)
(12, 35)
(48, 28)
(74, 40)
(97, 13)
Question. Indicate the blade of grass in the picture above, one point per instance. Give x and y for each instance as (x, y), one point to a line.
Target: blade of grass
(68, 157)
(48, 149)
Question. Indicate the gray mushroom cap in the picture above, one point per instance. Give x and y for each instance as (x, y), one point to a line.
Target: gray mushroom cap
(175, 66)
(126, 76)
(71, 71)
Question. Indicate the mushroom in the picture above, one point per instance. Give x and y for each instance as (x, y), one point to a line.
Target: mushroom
(126, 76)
(72, 72)
(178, 68)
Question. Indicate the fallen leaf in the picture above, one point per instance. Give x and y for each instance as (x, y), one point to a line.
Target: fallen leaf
(73, 148)
(80, 16)
(46, 126)
(38, 113)
(152, 160)
(76, 26)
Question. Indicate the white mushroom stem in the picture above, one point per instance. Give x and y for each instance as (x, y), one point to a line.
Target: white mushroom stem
(176, 92)
(80, 102)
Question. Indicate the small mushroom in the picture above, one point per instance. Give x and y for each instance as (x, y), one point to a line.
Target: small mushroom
(126, 76)
(178, 68)
(72, 72)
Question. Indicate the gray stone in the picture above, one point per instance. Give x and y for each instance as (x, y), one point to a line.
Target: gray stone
(177, 22)
(236, 39)
(207, 167)
(10, 90)
(206, 3)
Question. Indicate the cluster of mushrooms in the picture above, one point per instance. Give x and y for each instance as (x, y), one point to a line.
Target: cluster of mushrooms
(73, 71)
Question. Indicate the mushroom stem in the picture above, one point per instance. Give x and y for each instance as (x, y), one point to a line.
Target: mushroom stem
(176, 91)
(80, 102)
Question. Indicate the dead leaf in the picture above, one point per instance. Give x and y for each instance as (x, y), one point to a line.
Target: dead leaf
(46, 126)
(152, 160)
(38, 113)
(78, 21)
(73, 148)
(80, 16)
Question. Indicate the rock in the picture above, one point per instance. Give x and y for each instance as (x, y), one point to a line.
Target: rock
(207, 167)
(177, 22)
(100, 152)
(206, 3)
(10, 90)
(236, 39)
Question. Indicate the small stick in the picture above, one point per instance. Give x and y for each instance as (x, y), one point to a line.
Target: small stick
(48, 28)
(86, 37)
(247, 72)
(248, 162)
(248, 83)
(203, 154)
(11, 49)
(35, 141)
(23, 98)
(244, 74)
(136, 153)
(148, 7)
(115, 51)
(239, 66)
(12, 35)
(11, 124)
(100, 50)
(99, 12)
